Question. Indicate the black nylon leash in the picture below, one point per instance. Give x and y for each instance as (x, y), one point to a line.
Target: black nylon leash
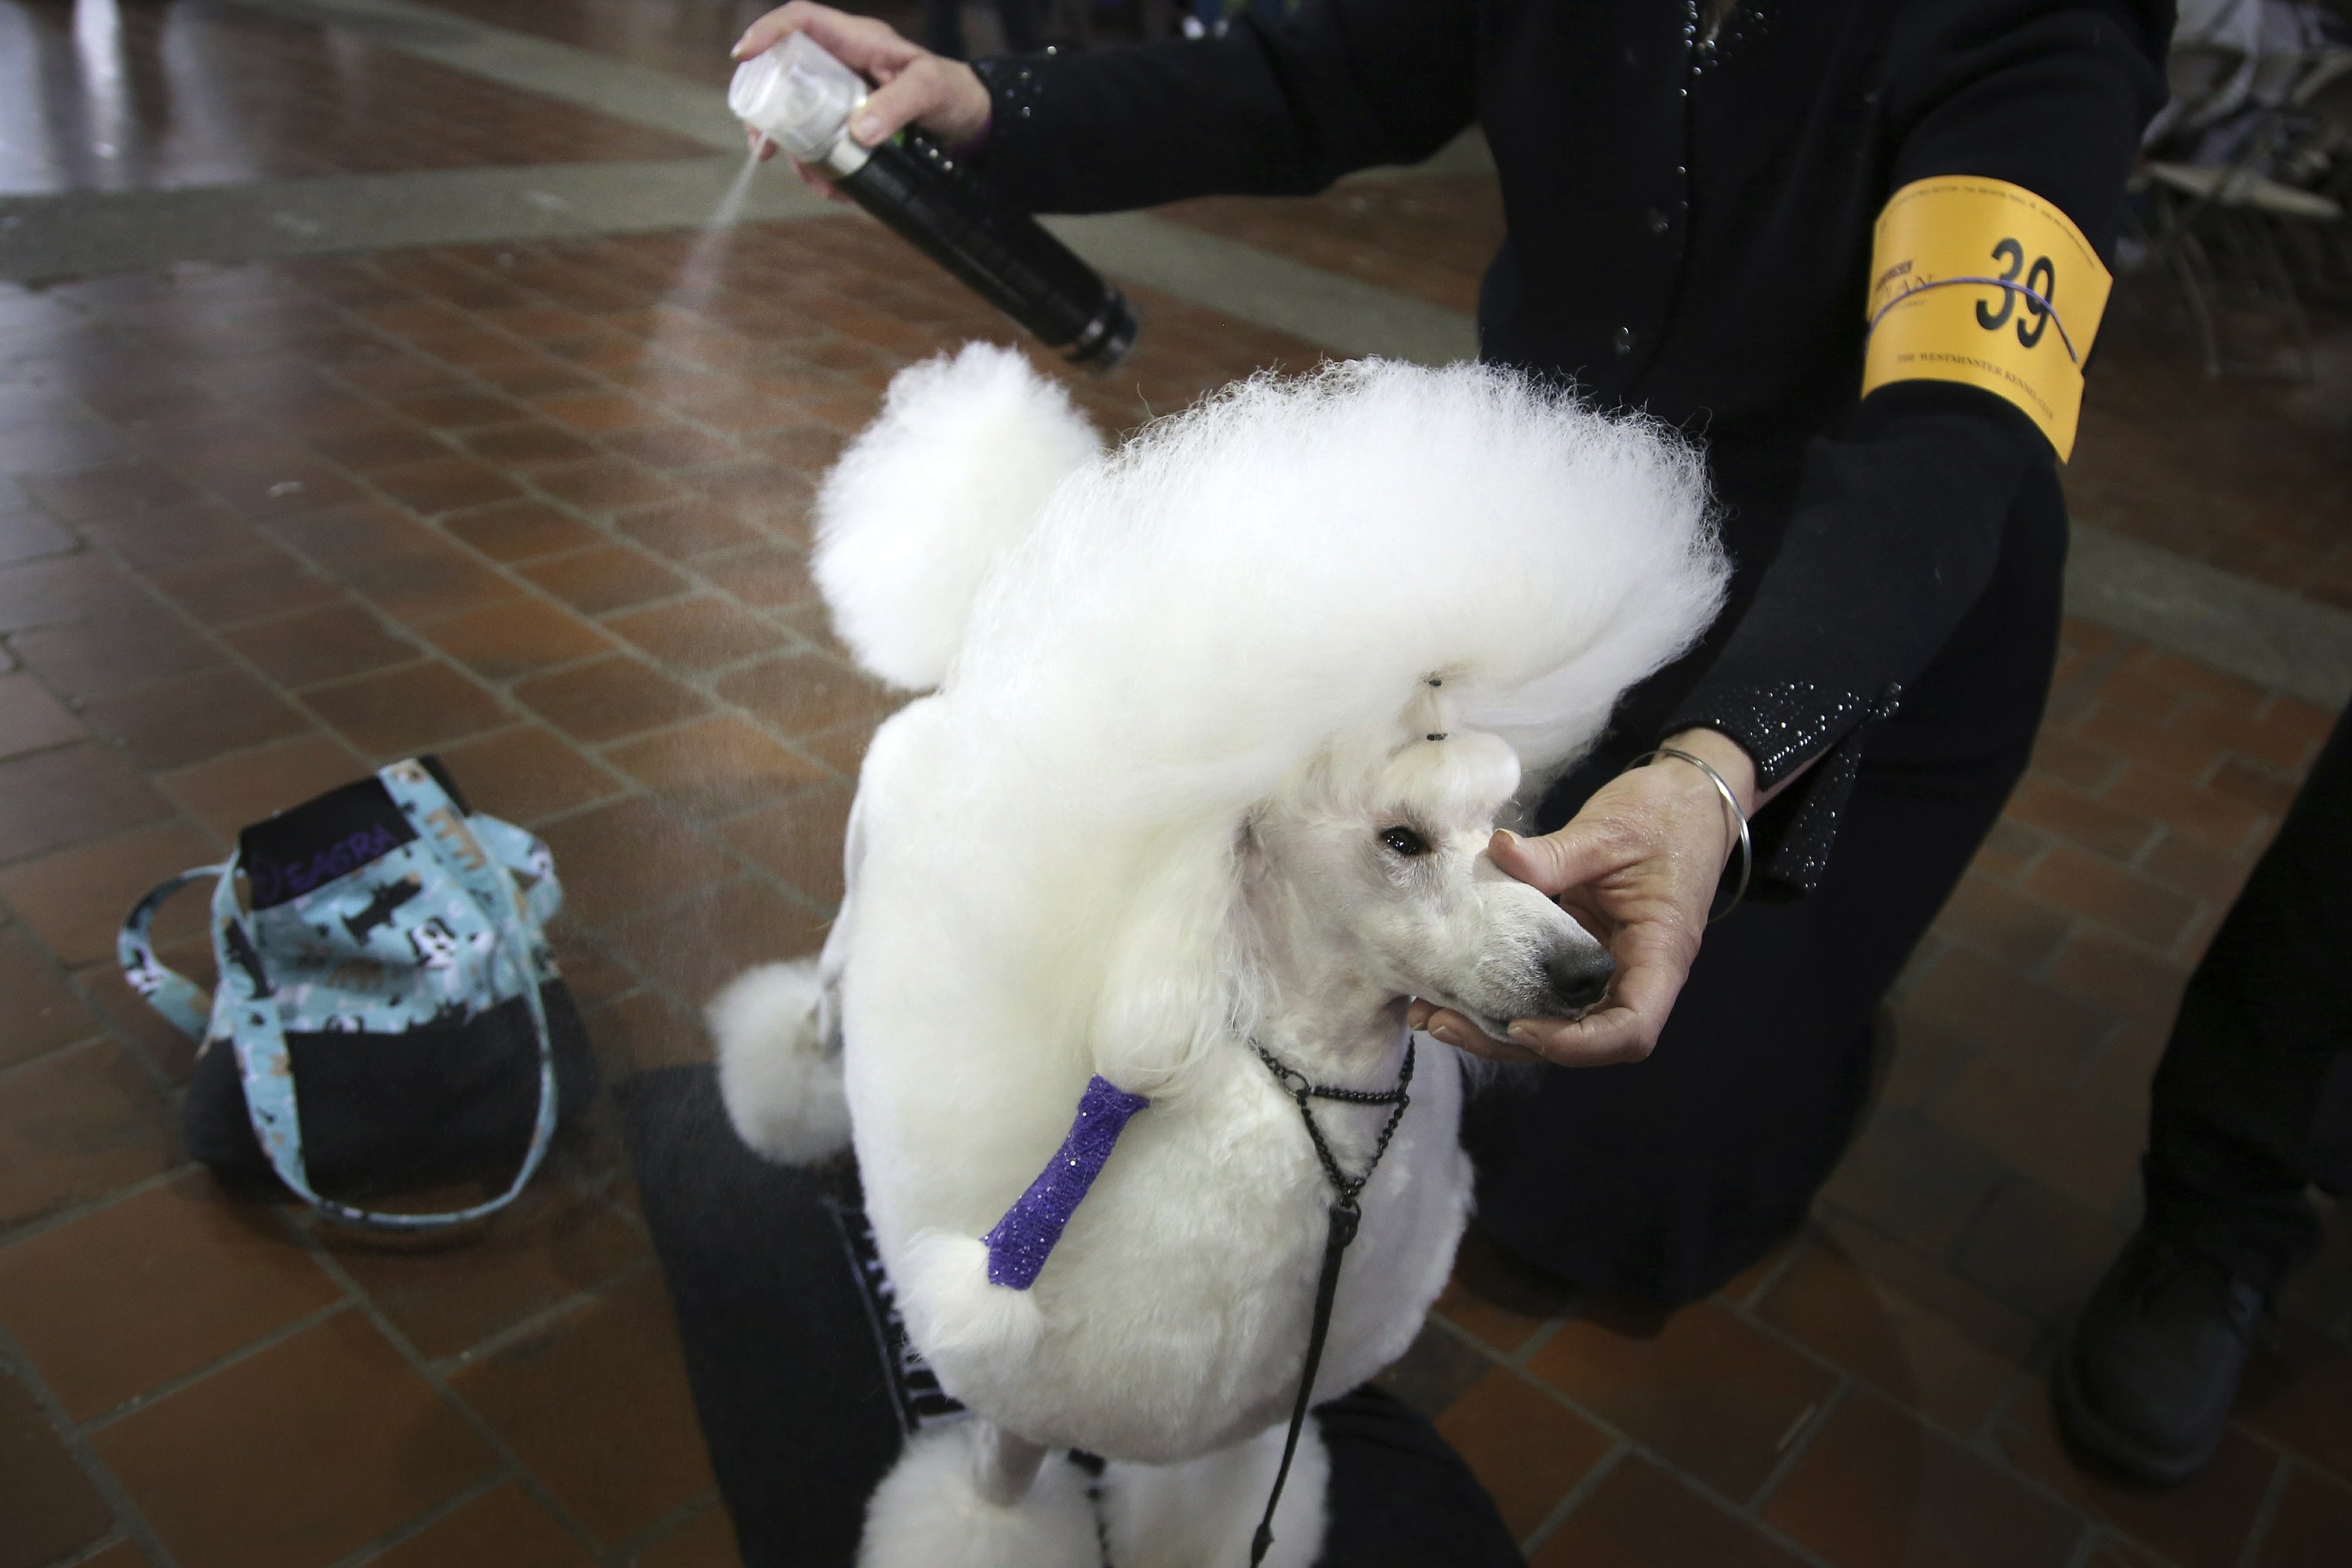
(1346, 1214)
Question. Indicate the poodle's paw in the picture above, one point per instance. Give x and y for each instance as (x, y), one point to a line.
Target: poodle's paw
(928, 1513)
(781, 1087)
(949, 478)
(967, 1326)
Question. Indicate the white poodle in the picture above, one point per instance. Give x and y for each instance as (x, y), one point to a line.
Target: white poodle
(1219, 725)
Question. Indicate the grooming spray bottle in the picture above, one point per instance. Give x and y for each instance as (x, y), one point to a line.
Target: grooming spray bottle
(802, 99)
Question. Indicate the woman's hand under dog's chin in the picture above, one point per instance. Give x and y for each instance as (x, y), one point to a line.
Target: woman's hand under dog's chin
(1638, 866)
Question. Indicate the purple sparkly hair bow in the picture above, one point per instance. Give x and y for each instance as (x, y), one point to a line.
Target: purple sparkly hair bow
(1026, 1237)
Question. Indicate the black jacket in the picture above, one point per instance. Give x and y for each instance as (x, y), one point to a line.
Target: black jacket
(1689, 233)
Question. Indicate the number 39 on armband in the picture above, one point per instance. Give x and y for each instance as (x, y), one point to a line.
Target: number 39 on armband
(1983, 282)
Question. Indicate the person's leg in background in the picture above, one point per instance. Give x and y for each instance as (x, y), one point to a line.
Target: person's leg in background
(2253, 1102)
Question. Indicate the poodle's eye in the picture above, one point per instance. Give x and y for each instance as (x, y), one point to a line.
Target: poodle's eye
(1405, 841)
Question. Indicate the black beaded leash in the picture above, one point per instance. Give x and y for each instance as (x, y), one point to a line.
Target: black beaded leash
(1345, 1214)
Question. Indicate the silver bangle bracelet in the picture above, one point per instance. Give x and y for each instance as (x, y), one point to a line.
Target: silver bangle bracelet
(1730, 803)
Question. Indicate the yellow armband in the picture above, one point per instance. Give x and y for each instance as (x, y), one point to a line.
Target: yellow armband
(1981, 281)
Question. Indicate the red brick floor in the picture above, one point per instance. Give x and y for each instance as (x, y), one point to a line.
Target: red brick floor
(135, 96)
(543, 508)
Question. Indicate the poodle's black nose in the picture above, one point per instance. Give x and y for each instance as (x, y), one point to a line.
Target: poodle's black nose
(1580, 977)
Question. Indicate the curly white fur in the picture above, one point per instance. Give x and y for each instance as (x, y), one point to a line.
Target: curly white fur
(952, 474)
(778, 1080)
(1224, 640)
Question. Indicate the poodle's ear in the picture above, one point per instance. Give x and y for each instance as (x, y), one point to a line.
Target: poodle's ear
(949, 478)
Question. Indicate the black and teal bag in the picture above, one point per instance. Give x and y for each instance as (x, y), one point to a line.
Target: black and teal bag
(388, 1013)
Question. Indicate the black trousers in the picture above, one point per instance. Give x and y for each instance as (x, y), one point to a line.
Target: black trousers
(1024, 22)
(1663, 1178)
(2253, 1097)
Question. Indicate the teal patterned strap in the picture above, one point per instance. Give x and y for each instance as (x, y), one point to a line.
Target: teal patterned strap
(178, 998)
(258, 1032)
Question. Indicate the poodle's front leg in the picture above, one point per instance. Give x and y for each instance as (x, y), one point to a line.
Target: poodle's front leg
(1003, 1464)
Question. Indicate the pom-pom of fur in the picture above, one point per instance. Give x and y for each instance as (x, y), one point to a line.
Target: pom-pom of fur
(955, 1314)
(950, 477)
(780, 1085)
(928, 1513)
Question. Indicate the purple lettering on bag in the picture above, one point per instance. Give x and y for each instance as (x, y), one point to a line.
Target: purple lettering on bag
(272, 884)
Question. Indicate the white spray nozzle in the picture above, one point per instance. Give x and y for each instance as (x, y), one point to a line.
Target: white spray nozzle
(799, 96)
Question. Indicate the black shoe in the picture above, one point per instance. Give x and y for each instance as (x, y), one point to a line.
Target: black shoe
(2147, 1379)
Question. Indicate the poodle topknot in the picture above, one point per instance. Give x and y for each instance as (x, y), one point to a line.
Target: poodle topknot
(1133, 649)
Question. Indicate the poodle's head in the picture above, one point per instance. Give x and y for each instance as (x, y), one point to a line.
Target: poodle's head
(1370, 873)
(1186, 688)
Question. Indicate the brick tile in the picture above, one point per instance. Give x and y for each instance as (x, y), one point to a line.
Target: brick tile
(2204, 1525)
(672, 446)
(456, 410)
(2146, 692)
(2285, 746)
(152, 1288)
(719, 765)
(2266, 790)
(122, 1555)
(53, 1510)
(444, 485)
(426, 579)
(640, 1032)
(1501, 1329)
(699, 945)
(2126, 903)
(253, 582)
(530, 446)
(2298, 1393)
(553, 1243)
(185, 722)
(405, 711)
(2009, 850)
(503, 1528)
(321, 644)
(94, 492)
(1526, 1448)
(64, 588)
(1877, 1490)
(2036, 1251)
(599, 412)
(1641, 1517)
(75, 899)
(2061, 758)
(799, 840)
(74, 1126)
(526, 774)
(2215, 819)
(52, 798)
(1437, 1369)
(368, 448)
(1925, 1053)
(803, 693)
(1709, 1391)
(2118, 975)
(607, 699)
(26, 535)
(604, 485)
(2193, 680)
(696, 634)
(112, 652)
(2001, 1007)
(1917, 1333)
(2071, 1141)
(299, 1454)
(772, 578)
(2197, 870)
(2313, 1522)
(2070, 815)
(534, 378)
(683, 530)
(618, 858)
(1914, 1180)
(2010, 926)
(551, 1398)
(610, 578)
(2176, 750)
(134, 1023)
(42, 1012)
(522, 530)
(30, 719)
(501, 641)
(708, 1541)
(228, 792)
